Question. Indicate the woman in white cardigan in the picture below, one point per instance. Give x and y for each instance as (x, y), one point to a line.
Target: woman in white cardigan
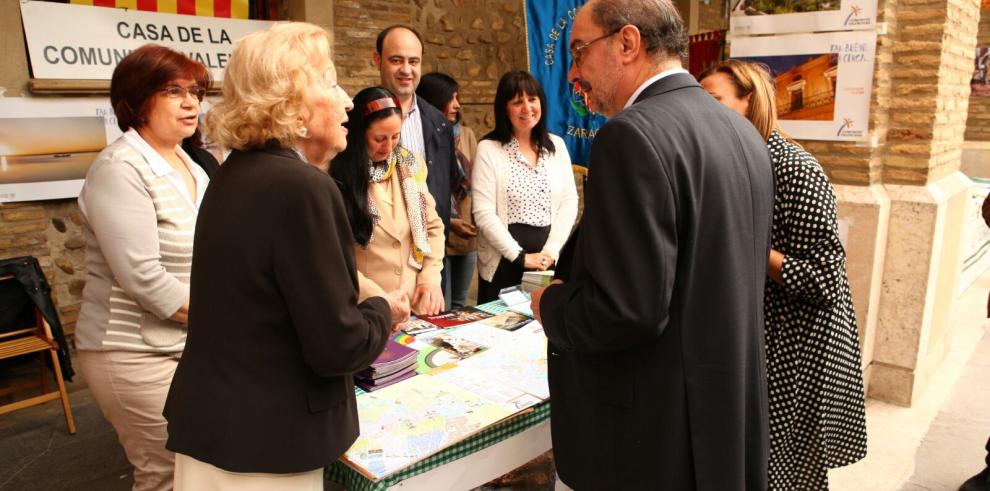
(525, 202)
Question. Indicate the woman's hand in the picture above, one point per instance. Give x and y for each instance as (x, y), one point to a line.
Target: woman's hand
(182, 315)
(398, 304)
(463, 228)
(538, 261)
(427, 299)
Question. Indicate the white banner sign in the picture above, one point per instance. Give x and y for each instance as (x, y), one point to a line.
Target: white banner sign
(823, 81)
(783, 16)
(68, 41)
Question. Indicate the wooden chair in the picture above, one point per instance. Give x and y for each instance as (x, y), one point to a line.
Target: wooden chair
(37, 339)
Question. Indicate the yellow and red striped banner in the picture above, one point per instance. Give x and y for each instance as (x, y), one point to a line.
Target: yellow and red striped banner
(231, 9)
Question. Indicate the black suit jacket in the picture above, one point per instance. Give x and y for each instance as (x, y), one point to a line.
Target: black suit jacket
(656, 364)
(275, 332)
(438, 138)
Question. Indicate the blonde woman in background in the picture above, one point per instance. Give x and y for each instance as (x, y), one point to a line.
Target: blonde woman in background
(813, 362)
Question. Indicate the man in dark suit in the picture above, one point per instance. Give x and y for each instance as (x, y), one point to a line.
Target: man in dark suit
(425, 131)
(657, 375)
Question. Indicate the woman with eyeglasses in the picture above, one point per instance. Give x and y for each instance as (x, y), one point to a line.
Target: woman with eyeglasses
(139, 206)
(814, 374)
(525, 200)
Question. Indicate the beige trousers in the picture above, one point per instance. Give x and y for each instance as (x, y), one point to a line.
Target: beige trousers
(131, 388)
(194, 475)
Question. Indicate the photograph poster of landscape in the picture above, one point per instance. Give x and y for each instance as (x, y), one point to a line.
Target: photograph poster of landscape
(47, 145)
(823, 81)
(787, 16)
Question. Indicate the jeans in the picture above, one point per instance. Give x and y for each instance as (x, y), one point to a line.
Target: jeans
(460, 271)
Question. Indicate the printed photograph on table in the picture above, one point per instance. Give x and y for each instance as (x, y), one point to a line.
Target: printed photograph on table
(456, 317)
(980, 84)
(509, 321)
(823, 81)
(788, 16)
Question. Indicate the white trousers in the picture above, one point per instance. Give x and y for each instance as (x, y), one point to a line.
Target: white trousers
(130, 389)
(194, 475)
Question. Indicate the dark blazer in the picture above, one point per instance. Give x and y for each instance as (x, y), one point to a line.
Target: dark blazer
(438, 138)
(657, 375)
(275, 332)
(201, 156)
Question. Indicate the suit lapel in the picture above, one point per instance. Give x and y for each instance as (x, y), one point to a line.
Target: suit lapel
(386, 220)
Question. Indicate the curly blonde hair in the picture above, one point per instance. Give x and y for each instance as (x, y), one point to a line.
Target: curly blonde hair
(265, 83)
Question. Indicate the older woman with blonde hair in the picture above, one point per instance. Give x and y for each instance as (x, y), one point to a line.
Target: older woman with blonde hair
(814, 379)
(263, 397)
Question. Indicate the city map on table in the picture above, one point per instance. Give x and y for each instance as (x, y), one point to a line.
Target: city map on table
(523, 366)
(434, 415)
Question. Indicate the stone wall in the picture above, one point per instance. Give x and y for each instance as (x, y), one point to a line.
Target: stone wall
(711, 15)
(473, 41)
(49, 231)
(978, 125)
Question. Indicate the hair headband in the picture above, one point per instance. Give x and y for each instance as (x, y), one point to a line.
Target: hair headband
(381, 104)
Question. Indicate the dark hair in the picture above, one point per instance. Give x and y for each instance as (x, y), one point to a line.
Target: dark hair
(660, 25)
(141, 74)
(438, 89)
(350, 167)
(512, 84)
(382, 35)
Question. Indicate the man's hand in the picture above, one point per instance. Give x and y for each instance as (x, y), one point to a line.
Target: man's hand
(535, 297)
(427, 299)
(398, 304)
(463, 228)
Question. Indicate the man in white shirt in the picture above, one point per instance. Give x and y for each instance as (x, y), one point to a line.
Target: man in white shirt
(425, 131)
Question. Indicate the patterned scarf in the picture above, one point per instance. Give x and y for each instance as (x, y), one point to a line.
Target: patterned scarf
(412, 181)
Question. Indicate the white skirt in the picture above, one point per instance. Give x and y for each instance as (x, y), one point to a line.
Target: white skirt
(193, 475)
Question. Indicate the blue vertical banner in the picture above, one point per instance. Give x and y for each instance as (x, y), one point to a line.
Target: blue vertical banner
(548, 27)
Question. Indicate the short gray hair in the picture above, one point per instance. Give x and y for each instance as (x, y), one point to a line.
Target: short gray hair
(659, 23)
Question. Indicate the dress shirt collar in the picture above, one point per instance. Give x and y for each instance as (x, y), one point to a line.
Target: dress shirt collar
(649, 82)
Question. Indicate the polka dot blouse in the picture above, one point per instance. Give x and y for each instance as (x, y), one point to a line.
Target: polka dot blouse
(527, 189)
(814, 372)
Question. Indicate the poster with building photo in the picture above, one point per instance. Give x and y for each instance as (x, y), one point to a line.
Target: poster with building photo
(786, 16)
(980, 84)
(47, 145)
(823, 81)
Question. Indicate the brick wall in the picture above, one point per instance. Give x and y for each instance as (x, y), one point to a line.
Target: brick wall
(933, 59)
(473, 41)
(978, 124)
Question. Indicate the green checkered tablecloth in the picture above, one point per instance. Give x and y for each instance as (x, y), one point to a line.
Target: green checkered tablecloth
(355, 481)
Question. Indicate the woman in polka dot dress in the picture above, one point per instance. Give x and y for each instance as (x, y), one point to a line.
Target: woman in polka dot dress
(815, 379)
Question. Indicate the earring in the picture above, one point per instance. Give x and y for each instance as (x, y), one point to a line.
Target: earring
(303, 132)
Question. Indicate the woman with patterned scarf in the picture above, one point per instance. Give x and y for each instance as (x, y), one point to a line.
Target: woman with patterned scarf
(399, 243)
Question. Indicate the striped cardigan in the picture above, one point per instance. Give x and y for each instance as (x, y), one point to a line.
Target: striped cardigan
(139, 241)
